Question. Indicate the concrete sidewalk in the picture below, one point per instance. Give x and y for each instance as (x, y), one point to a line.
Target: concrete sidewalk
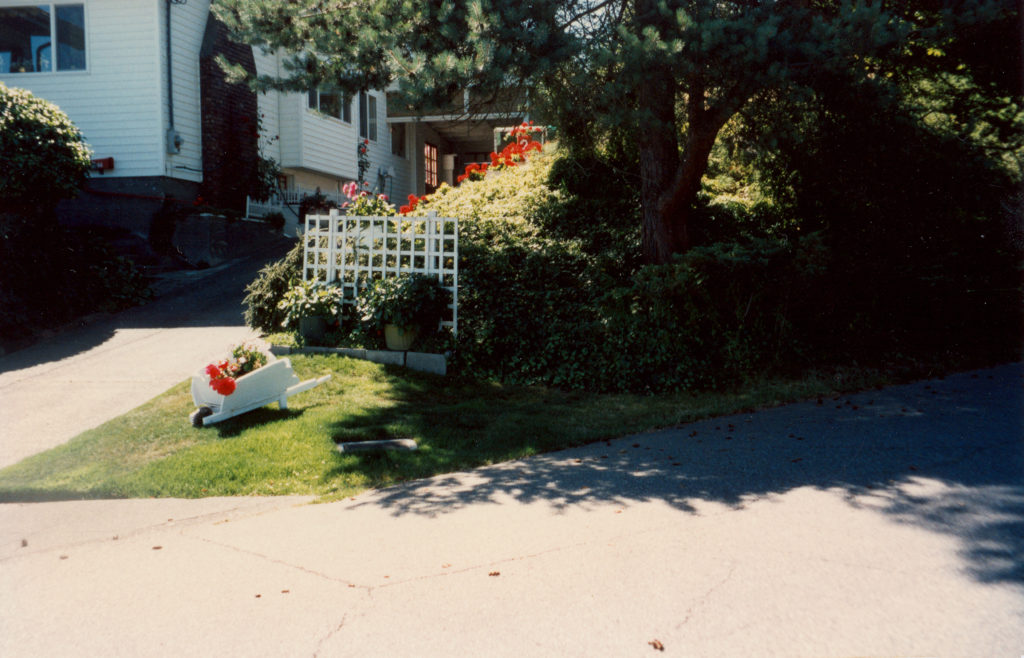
(887, 523)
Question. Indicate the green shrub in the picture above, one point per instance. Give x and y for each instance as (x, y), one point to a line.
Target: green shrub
(308, 299)
(52, 275)
(406, 300)
(275, 219)
(268, 289)
(42, 154)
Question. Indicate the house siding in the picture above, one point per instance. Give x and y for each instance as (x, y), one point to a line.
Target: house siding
(117, 102)
(188, 22)
(267, 106)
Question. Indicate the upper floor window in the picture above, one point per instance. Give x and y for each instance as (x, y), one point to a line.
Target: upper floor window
(42, 38)
(368, 116)
(332, 103)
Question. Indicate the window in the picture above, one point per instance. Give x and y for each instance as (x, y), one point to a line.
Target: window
(430, 167)
(332, 103)
(27, 35)
(368, 116)
(398, 139)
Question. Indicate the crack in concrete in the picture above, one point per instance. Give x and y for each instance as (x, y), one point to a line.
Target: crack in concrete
(337, 629)
(703, 598)
(283, 563)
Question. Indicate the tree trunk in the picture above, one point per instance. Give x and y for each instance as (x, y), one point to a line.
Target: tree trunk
(662, 233)
(670, 183)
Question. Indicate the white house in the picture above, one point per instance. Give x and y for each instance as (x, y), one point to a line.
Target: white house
(138, 78)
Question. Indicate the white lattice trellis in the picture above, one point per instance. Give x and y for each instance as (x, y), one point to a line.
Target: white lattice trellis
(351, 250)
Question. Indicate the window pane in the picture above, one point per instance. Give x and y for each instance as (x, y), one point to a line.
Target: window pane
(311, 101)
(363, 121)
(430, 166)
(25, 40)
(398, 139)
(373, 118)
(70, 38)
(346, 109)
(330, 103)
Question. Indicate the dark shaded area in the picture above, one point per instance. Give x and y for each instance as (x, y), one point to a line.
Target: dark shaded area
(230, 121)
(186, 298)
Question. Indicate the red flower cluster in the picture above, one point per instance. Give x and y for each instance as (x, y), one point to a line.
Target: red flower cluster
(516, 152)
(222, 377)
(411, 206)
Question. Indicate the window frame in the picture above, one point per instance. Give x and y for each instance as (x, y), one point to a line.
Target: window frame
(54, 43)
(344, 111)
(430, 173)
(368, 116)
(399, 148)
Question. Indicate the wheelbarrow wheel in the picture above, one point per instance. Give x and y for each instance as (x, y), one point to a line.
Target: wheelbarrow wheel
(199, 414)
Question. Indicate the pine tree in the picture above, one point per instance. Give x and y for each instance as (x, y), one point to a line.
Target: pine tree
(672, 71)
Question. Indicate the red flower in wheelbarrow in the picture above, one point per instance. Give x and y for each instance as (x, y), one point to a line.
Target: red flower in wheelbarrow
(221, 381)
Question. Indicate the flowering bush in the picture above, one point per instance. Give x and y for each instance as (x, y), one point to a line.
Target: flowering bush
(516, 151)
(362, 149)
(244, 359)
(362, 202)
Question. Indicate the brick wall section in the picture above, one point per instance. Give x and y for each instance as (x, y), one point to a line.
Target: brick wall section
(229, 122)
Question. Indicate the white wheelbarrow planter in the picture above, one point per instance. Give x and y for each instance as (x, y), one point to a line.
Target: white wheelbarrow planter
(274, 382)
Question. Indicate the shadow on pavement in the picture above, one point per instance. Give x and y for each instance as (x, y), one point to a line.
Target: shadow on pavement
(947, 455)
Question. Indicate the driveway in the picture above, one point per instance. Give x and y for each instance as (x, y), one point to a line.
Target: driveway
(885, 523)
(80, 378)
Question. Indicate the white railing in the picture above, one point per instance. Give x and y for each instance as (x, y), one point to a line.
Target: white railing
(287, 203)
(351, 250)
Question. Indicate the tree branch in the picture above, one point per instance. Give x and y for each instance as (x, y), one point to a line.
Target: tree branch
(592, 10)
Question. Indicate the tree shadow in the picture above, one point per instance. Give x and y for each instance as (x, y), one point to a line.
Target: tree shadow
(946, 455)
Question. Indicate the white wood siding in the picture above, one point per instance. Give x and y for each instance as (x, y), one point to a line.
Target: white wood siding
(328, 144)
(267, 106)
(117, 102)
(188, 24)
(320, 151)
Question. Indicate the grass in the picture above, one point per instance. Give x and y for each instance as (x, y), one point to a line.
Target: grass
(154, 451)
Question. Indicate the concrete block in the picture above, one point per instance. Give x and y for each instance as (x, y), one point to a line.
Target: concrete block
(377, 446)
(386, 357)
(433, 363)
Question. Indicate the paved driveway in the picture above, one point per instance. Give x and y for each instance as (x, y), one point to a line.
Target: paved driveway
(886, 523)
(83, 377)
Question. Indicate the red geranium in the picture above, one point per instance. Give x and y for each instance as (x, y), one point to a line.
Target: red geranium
(223, 373)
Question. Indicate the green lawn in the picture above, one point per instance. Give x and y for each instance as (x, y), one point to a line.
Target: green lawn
(154, 451)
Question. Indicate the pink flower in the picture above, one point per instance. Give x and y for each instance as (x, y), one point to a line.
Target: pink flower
(383, 197)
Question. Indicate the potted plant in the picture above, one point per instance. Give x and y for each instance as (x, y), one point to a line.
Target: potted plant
(402, 307)
(308, 305)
